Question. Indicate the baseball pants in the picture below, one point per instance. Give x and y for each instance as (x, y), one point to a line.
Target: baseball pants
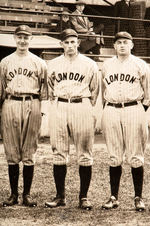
(21, 121)
(75, 120)
(126, 132)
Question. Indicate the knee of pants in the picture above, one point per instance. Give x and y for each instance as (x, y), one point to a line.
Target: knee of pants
(84, 161)
(136, 162)
(28, 160)
(59, 159)
(114, 162)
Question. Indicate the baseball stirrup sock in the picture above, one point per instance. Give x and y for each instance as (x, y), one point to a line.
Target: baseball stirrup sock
(85, 173)
(13, 171)
(27, 178)
(59, 172)
(137, 175)
(115, 175)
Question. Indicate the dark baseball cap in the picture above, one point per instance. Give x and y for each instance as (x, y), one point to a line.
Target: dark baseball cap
(123, 34)
(80, 2)
(23, 29)
(67, 33)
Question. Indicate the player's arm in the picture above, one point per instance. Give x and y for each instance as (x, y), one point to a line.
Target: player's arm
(146, 86)
(43, 84)
(2, 84)
(94, 85)
(103, 85)
(50, 81)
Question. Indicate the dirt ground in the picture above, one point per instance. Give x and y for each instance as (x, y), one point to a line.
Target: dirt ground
(43, 189)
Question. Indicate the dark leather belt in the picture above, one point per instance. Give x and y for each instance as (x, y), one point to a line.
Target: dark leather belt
(74, 100)
(121, 105)
(34, 96)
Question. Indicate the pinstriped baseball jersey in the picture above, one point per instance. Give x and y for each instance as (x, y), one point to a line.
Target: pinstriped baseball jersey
(126, 81)
(73, 79)
(22, 77)
(23, 74)
(76, 79)
(125, 127)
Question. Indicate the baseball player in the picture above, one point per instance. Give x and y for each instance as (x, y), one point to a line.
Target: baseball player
(23, 78)
(126, 88)
(73, 86)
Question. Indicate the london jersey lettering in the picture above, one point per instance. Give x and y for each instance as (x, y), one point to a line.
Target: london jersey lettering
(70, 76)
(20, 71)
(120, 77)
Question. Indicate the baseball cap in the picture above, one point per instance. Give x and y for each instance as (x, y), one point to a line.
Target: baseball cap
(23, 29)
(123, 34)
(80, 2)
(67, 33)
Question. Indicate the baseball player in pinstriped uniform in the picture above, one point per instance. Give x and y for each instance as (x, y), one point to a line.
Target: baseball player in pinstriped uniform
(73, 86)
(126, 80)
(23, 79)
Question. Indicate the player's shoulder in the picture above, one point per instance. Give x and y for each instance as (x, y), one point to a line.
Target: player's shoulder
(55, 60)
(7, 59)
(36, 58)
(86, 60)
(137, 59)
(109, 61)
(8, 56)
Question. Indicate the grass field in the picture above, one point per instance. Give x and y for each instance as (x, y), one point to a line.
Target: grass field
(43, 189)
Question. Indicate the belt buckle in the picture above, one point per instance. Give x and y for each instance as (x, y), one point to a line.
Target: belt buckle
(122, 104)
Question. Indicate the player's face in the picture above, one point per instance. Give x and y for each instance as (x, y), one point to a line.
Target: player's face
(22, 42)
(70, 46)
(123, 47)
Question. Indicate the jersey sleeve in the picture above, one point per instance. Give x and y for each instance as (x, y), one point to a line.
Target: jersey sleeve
(2, 82)
(51, 80)
(94, 84)
(145, 82)
(102, 82)
(43, 82)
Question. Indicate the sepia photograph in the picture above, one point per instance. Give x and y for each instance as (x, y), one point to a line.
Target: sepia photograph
(74, 112)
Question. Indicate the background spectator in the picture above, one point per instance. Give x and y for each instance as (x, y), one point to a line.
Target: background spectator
(64, 22)
(83, 25)
(122, 9)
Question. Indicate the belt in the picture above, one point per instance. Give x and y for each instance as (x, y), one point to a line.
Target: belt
(121, 105)
(74, 100)
(34, 96)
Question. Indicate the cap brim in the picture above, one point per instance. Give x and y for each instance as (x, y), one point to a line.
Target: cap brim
(67, 36)
(23, 32)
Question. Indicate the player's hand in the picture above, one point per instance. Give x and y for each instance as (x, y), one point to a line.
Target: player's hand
(98, 131)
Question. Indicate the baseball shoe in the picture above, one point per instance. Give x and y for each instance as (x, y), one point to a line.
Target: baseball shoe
(85, 204)
(12, 200)
(112, 203)
(28, 201)
(56, 202)
(139, 204)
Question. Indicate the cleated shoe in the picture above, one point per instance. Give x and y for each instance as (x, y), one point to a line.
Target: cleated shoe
(56, 202)
(12, 200)
(85, 204)
(28, 201)
(112, 203)
(139, 204)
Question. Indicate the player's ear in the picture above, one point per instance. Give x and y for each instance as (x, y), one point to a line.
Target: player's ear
(115, 46)
(79, 41)
(132, 45)
(61, 43)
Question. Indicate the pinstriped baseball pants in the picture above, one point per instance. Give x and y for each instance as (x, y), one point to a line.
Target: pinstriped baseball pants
(21, 121)
(126, 132)
(75, 120)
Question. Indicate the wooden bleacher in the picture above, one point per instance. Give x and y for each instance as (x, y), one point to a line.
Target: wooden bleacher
(41, 17)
